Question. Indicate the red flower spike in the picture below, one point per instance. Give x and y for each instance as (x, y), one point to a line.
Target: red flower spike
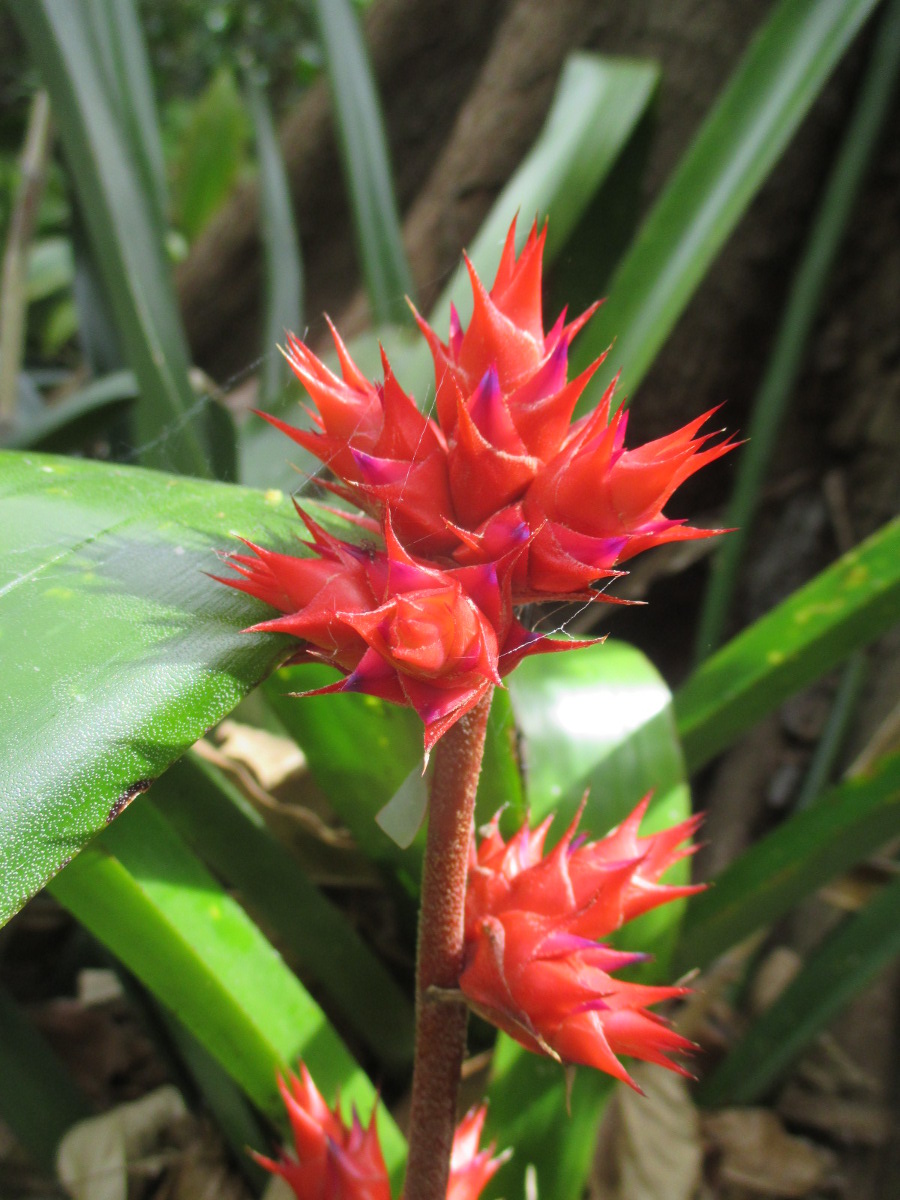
(533, 963)
(471, 1168)
(333, 1162)
(503, 443)
(337, 1162)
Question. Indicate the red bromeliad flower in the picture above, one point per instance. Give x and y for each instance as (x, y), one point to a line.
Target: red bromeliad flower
(471, 1168)
(335, 1162)
(534, 965)
(499, 502)
(503, 464)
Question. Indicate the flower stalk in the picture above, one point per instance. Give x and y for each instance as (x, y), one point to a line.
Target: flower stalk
(441, 1023)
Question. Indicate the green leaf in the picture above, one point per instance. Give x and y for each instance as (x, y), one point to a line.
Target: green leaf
(837, 970)
(601, 719)
(141, 892)
(848, 823)
(784, 70)
(38, 1100)
(845, 607)
(360, 751)
(231, 837)
(363, 751)
(783, 368)
(366, 161)
(116, 30)
(281, 246)
(122, 651)
(210, 153)
(123, 229)
(50, 268)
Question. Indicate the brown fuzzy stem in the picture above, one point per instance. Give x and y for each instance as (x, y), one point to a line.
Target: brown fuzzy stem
(441, 1026)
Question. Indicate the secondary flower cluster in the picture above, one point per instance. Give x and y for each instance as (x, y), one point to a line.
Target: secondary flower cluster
(534, 965)
(500, 500)
(337, 1162)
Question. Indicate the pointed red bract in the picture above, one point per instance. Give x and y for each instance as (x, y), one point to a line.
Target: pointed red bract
(534, 964)
(335, 1161)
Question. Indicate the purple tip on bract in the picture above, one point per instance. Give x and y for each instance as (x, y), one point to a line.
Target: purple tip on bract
(379, 470)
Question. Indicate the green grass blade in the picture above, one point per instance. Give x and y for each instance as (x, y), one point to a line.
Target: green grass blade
(845, 962)
(230, 836)
(600, 718)
(38, 1100)
(844, 608)
(141, 892)
(122, 651)
(820, 771)
(848, 823)
(122, 227)
(65, 426)
(366, 160)
(117, 35)
(775, 391)
(281, 246)
(782, 73)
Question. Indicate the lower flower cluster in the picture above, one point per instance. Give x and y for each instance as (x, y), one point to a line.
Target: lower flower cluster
(335, 1161)
(534, 964)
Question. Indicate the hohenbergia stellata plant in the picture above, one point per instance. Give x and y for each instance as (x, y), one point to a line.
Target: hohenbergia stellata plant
(499, 501)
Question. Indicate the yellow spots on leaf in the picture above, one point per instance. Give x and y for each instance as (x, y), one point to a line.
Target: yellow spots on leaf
(273, 496)
(858, 576)
(59, 593)
(775, 657)
(825, 608)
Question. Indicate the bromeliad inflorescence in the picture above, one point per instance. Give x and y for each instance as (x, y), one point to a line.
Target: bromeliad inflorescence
(499, 500)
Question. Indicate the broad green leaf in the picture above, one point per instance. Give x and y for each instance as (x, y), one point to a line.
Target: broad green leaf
(784, 70)
(119, 650)
(366, 161)
(38, 1100)
(142, 893)
(848, 823)
(284, 270)
(601, 719)
(123, 229)
(786, 359)
(837, 970)
(223, 829)
(845, 607)
(210, 153)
